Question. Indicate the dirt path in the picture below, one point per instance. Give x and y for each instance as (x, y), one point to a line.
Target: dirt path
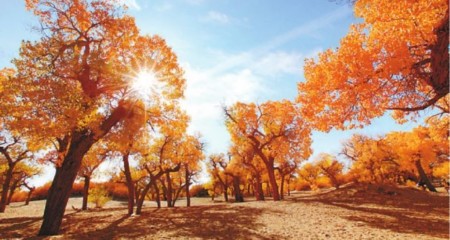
(351, 213)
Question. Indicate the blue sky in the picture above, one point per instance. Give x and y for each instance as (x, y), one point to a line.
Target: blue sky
(231, 50)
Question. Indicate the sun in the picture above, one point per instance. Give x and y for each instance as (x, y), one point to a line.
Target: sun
(146, 84)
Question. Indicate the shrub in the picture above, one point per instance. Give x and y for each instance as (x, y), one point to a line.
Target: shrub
(99, 196)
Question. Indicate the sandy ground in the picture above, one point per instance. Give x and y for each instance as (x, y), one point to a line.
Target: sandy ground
(365, 212)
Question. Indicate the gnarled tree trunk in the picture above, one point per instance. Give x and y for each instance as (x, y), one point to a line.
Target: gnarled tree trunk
(31, 190)
(129, 182)
(424, 176)
(5, 189)
(59, 192)
(87, 181)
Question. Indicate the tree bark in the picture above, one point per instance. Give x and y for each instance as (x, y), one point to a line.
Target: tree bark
(29, 196)
(129, 182)
(59, 192)
(282, 187)
(81, 141)
(5, 189)
(188, 194)
(259, 189)
(87, 181)
(424, 176)
(225, 192)
(238, 196)
(273, 181)
(169, 190)
(12, 189)
(140, 200)
(158, 196)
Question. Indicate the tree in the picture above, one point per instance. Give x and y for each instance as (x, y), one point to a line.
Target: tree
(331, 168)
(417, 150)
(91, 161)
(244, 155)
(78, 77)
(397, 59)
(13, 151)
(275, 130)
(310, 173)
(217, 166)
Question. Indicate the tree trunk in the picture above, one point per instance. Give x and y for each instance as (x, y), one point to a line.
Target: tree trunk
(12, 189)
(140, 200)
(5, 189)
(188, 194)
(158, 196)
(225, 192)
(136, 192)
(58, 195)
(29, 196)
(59, 192)
(87, 181)
(214, 192)
(282, 187)
(273, 181)
(288, 186)
(238, 196)
(169, 190)
(129, 182)
(259, 189)
(424, 177)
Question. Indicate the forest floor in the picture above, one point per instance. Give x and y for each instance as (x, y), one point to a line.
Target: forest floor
(354, 212)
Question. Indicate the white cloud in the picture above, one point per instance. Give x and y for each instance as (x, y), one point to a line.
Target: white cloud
(242, 77)
(281, 62)
(206, 94)
(132, 4)
(217, 17)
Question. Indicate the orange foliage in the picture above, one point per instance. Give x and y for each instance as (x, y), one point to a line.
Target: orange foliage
(396, 59)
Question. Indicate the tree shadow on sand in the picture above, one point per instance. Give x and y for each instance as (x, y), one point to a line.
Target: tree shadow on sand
(385, 207)
(224, 221)
(218, 222)
(13, 227)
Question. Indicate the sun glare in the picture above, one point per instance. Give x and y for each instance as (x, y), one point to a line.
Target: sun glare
(145, 84)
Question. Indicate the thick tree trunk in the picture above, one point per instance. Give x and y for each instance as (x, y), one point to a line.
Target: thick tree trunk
(259, 189)
(273, 181)
(12, 189)
(5, 189)
(87, 181)
(238, 196)
(129, 182)
(58, 195)
(424, 177)
(188, 194)
(169, 190)
(59, 192)
(29, 196)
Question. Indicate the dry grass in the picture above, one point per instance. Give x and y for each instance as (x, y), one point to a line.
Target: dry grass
(355, 212)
